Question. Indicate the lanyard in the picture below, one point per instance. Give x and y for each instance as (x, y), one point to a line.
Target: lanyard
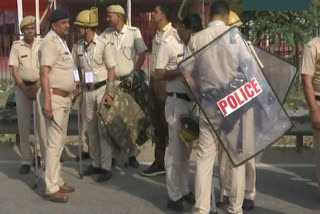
(119, 45)
(75, 71)
(89, 59)
(66, 48)
(164, 35)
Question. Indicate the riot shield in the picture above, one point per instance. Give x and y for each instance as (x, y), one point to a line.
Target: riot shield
(279, 73)
(235, 98)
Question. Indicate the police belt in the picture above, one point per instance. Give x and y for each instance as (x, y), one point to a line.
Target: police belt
(59, 92)
(182, 96)
(29, 83)
(96, 86)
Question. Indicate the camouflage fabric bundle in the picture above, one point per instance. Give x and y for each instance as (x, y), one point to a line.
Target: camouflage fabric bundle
(139, 91)
(123, 121)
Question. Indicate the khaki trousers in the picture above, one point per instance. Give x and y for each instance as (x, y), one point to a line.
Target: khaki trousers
(83, 126)
(55, 141)
(24, 108)
(178, 154)
(250, 178)
(239, 182)
(207, 151)
(100, 149)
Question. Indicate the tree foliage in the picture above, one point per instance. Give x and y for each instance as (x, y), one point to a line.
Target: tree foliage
(294, 27)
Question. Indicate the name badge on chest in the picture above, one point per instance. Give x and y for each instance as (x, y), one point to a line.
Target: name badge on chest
(76, 75)
(88, 77)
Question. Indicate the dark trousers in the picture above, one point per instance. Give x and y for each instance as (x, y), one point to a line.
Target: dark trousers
(158, 95)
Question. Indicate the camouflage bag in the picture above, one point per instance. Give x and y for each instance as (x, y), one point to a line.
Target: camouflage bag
(123, 121)
(135, 85)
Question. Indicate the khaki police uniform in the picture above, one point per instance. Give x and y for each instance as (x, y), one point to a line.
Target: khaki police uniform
(26, 60)
(207, 148)
(158, 96)
(127, 44)
(96, 58)
(54, 54)
(171, 52)
(311, 66)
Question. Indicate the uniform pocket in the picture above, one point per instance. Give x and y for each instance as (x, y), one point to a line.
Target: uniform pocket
(128, 52)
(98, 59)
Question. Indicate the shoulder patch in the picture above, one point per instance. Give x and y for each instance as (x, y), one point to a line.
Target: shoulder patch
(101, 39)
(17, 42)
(132, 28)
(79, 42)
(108, 30)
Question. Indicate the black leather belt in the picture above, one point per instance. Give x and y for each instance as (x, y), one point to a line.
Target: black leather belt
(317, 98)
(97, 85)
(179, 95)
(29, 83)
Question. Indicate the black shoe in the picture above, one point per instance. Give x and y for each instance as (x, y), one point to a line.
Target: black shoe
(91, 170)
(189, 198)
(154, 170)
(175, 205)
(113, 162)
(24, 169)
(224, 202)
(105, 175)
(38, 160)
(133, 162)
(248, 204)
(85, 156)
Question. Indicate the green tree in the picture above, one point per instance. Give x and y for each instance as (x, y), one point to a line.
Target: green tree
(295, 28)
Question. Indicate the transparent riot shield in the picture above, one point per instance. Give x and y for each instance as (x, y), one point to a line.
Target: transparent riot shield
(236, 101)
(279, 73)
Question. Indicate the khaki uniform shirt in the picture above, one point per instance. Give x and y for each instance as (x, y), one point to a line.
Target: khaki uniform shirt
(160, 35)
(126, 45)
(222, 62)
(54, 53)
(311, 62)
(26, 59)
(97, 58)
(171, 52)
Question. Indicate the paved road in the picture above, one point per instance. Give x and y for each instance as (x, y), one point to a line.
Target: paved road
(285, 184)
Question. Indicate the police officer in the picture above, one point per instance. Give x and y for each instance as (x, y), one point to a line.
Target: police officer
(310, 71)
(178, 102)
(207, 148)
(158, 94)
(128, 44)
(24, 63)
(58, 83)
(94, 56)
(249, 175)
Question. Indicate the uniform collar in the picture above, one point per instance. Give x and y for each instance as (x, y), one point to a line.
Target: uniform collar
(165, 28)
(94, 41)
(216, 23)
(123, 31)
(35, 41)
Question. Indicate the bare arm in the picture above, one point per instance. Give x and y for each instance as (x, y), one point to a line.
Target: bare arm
(310, 97)
(111, 75)
(140, 60)
(163, 74)
(45, 83)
